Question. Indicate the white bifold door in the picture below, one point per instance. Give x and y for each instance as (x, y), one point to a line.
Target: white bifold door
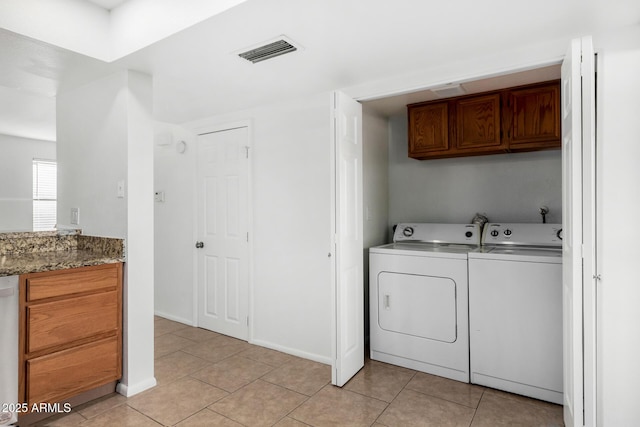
(223, 231)
(578, 221)
(348, 342)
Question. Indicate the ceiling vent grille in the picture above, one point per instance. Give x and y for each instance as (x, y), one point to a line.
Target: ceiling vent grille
(268, 51)
(449, 90)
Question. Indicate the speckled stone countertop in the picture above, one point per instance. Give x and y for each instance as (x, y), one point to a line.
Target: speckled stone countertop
(33, 252)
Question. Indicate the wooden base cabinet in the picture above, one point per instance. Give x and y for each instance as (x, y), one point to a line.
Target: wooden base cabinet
(70, 332)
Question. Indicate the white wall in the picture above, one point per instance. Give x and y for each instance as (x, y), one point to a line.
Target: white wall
(506, 187)
(375, 169)
(174, 174)
(16, 174)
(291, 293)
(105, 134)
(92, 155)
(618, 205)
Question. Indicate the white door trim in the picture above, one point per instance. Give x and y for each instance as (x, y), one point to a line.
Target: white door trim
(203, 130)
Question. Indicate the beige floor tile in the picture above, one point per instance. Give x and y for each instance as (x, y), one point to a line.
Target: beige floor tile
(259, 404)
(411, 408)
(380, 380)
(290, 422)
(177, 365)
(196, 334)
(444, 388)
(520, 398)
(303, 376)
(174, 402)
(268, 356)
(169, 343)
(232, 373)
(333, 406)
(496, 410)
(217, 349)
(71, 419)
(100, 405)
(164, 326)
(208, 418)
(121, 416)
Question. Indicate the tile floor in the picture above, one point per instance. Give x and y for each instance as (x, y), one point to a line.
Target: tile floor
(208, 379)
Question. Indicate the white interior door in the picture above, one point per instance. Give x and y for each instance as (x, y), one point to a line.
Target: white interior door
(578, 194)
(223, 261)
(349, 286)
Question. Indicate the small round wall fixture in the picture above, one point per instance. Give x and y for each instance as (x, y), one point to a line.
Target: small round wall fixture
(181, 147)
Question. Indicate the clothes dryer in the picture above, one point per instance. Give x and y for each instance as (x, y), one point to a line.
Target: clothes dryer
(418, 291)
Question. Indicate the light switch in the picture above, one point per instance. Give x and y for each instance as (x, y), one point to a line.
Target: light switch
(158, 196)
(120, 192)
(75, 216)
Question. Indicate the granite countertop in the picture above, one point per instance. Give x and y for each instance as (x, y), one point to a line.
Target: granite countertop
(34, 252)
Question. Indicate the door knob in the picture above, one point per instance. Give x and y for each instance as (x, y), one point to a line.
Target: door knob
(199, 245)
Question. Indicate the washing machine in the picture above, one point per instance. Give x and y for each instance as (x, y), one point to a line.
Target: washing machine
(418, 293)
(515, 310)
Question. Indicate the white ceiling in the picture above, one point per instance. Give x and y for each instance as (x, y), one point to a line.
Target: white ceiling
(197, 74)
(107, 4)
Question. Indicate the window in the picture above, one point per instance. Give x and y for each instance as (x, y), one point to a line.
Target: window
(44, 194)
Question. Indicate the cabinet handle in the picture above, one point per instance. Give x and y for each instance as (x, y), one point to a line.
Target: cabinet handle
(387, 302)
(199, 245)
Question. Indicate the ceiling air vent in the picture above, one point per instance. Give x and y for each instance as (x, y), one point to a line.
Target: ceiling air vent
(268, 51)
(449, 90)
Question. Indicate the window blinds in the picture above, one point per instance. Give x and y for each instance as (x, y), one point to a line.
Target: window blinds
(44, 194)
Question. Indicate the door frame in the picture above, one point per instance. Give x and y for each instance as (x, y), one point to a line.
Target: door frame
(250, 137)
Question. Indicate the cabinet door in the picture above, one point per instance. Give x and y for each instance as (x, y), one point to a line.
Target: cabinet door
(61, 322)
(535, 121)
(478, 124)
(57, 376)
(428, 129)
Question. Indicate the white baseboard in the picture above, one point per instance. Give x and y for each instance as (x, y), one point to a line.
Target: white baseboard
(294, 352)
(131, 390)
(174, 318)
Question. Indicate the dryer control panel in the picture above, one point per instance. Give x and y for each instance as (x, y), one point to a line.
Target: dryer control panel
(460, 234)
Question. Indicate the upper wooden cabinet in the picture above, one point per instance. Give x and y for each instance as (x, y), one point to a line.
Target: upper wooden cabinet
(532, 117)
(518, 119)
(478, 123)
(429, 129)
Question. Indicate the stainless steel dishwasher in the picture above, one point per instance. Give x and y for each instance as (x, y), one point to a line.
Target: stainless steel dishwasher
(8, 349)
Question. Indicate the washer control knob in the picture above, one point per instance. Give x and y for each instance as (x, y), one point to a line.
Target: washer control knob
(408, 231)
(507, 232)
(468, 234)
(494, 233)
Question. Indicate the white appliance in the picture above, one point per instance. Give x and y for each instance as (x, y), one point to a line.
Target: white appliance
(8, 349)
(419, 298)
(515, 310)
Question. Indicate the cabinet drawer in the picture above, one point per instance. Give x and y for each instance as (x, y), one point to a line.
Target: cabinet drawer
(57, 376)
(69, 282)
(65, 321)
